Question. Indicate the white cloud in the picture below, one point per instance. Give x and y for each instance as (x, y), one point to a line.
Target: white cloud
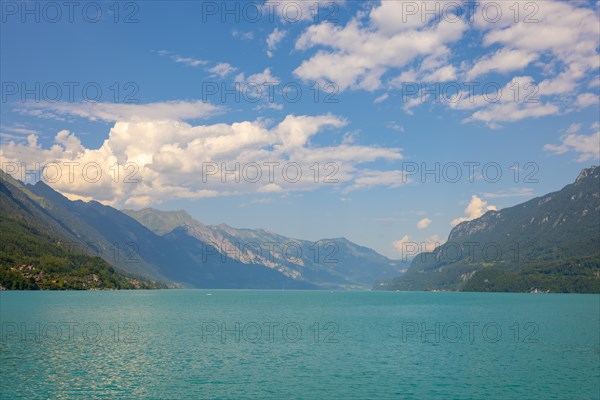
(587, 99)
(112, 112)
(349, 137)
(506, 104)
(268, 106)
(433, 68)
(222, 70)
(242, 35)
(381, 99)
(568, 31)
(274, 39)
(17, 133)
(504, 60)
(19, 130)
(560, 50)
(192, 62)
(573, 128)
(362, 52)
(400, 245)
(172, 159)
(562, 36)
(260, 78)
(259, 86)
(424, 223)
(512, 111)
(443, 74)
(431, 242)
(370, 178)
(392, 17)
(270, 188)
(586, 146)
(409, 247)
(476, 208)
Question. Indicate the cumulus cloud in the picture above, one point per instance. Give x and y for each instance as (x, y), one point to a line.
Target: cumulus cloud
(145, 161)
(261, 78)
(383, 47)
(431, 242)
(408, 247)
(424, 223)
(357, 55)
(476, 208)
(16, 132)
(259, 87)
(562, 37)
(401, 244)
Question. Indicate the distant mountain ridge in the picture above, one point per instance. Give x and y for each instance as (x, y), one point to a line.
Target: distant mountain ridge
(182, 252)
(550, 243)
(127, 245)
(327, 263)
(161, 223)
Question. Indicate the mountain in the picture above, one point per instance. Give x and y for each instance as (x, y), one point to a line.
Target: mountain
(182, 252)
(38, 252)
(133, 248)
(328, 263)
(549, 243)
(159, 222)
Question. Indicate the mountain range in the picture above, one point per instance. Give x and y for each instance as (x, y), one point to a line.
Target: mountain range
(328, 263)
(41, 251)
(550, 244)
(173, 248)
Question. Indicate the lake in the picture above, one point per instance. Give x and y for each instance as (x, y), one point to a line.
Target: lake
(197, 344)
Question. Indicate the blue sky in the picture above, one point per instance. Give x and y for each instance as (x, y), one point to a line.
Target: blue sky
(169, 74)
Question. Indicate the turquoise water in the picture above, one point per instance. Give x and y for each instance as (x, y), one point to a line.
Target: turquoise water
(177, 344)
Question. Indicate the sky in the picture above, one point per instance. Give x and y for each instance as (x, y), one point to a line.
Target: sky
(383, 122)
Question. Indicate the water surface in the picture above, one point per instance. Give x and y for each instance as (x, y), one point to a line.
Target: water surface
(177, 344)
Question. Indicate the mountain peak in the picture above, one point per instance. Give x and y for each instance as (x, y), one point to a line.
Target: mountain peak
(592, 171)
(41, 184)
(158, 221)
